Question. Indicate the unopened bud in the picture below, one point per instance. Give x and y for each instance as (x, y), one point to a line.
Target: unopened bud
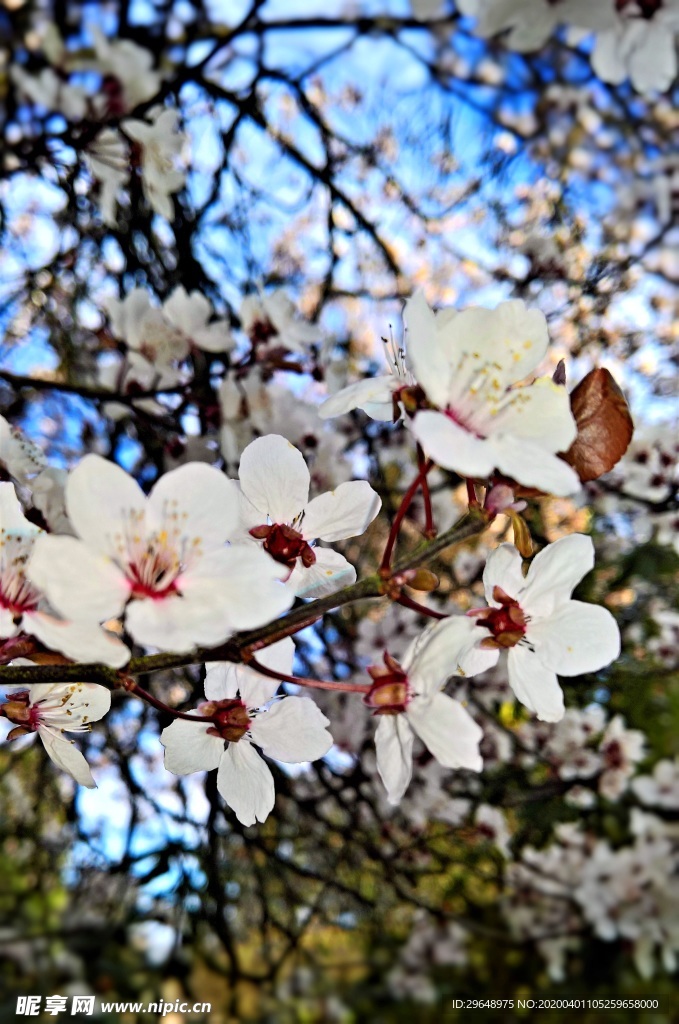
(423, 579)
(522, 537)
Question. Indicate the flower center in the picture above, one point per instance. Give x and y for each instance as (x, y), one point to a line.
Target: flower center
(506, 623)
(390, 691)
(230, 719)
(19, 711)
(17, 595)
(262, 331)
(284, 544)
(153, 564)
(645, 8)
(114, 92)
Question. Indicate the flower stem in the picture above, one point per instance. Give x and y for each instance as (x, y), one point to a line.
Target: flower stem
(406, 501)
(318, 684)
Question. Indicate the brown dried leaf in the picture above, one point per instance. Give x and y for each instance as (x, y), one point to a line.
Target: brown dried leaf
(604, 425)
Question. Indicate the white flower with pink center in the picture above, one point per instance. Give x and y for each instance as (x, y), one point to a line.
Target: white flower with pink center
(407, 700)
(24, 608)
(51, 709)
(245, 713)
(161, 562)
(533, 618)
(480, 422)
(275, 509)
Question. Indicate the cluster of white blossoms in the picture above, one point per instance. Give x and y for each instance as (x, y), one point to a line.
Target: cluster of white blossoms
(635, 39)
(151, 144)
(203, 556)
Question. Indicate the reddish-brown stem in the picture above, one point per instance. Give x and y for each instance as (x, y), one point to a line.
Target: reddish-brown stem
(385, 565)
(429, 528)
(421, 609)
(132, 687)
(472, 496)
(318, 684)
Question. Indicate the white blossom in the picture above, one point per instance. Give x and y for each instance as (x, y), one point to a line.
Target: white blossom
(468, 364)
(161, 561)
(407, 699)
(272, 317)
(107, 159)
(244, 711)
(51, 709)
(24, 608)
(275, 509)
(161, 145)
(637, 41)
(542, 629)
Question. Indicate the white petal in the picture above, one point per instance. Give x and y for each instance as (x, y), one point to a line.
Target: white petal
(503, 569)
(512, 337)
(67, 757)
(526, 461)
(427, 355)
(373, 395)
(345, 512)
(246, 783)
(176, 623)
(70, 705)
(189, 747)
(11, 512)
(606, 59)
(555, 572)
(451, 446)
(534, 685)
(447, 730)
(216, 337)
(198, 497)
(576, 638)
(653, 61)
(394, 747)
(329, 573)
(189, 313)
(82, 641)
(292, 730)
(540, 411)
(99, 497)
(224, 680)
(247, 589)
(79, 582)
(274, 478)
(437, 653)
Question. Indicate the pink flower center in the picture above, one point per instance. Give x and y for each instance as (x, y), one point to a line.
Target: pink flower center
(262, 331)
(21, 712)
(645, 8)
(17, 595)
(230, 719)
(284, 544)
(507, 623)
(390, 693)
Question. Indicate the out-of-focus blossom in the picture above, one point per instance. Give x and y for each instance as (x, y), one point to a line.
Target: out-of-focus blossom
(19, 458)
(161, 146)
(271, 317)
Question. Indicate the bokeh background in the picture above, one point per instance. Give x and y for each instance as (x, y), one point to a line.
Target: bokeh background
(349, 152)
